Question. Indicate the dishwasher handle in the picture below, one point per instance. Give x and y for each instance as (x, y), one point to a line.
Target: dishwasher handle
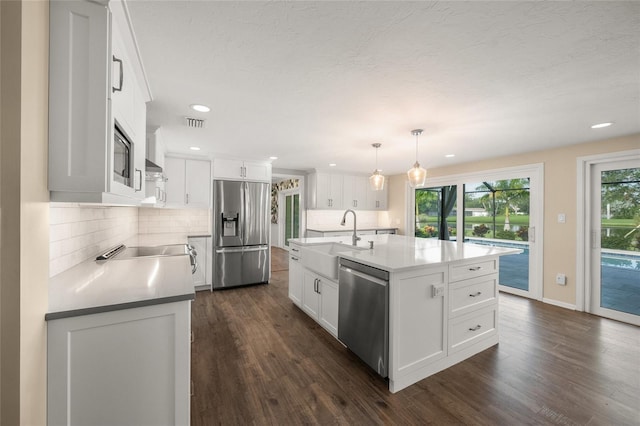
(364, 276)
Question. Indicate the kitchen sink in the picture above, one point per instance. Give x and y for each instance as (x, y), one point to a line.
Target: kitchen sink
(142, 251)
(323, 258)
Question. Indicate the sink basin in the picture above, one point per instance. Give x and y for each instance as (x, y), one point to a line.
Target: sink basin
(168, 250)
(323, 258)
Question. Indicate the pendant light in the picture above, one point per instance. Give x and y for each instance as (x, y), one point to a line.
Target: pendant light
(416, 174)
(376, 180)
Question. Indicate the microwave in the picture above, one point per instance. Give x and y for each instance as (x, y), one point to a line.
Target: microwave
(122, 157)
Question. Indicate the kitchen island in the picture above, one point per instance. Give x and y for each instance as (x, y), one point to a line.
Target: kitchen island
(442, 301)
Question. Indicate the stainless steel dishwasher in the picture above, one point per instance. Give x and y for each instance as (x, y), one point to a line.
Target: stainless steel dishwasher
(363, 313)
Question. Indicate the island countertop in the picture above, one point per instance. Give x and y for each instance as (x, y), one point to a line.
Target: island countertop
(395, 253)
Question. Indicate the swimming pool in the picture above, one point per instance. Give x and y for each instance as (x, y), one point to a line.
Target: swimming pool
(615, 259)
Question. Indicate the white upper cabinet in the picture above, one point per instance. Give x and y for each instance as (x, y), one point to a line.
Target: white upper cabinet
(377, 200)
(325, 191)
(241, 170)
(355, 192)
(188, 182)
(86, 101)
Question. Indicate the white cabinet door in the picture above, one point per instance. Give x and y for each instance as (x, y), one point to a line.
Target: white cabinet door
(114, 367)
(228, 169)
(328, 190)
(123, 93)
(200, 276)
(328, 317)
(310, 295)
(377, 200)
(241, 170)
(198, 183)
(175, 186)
(79, 89)
(417, 312)
(260, 172)
(188, 182)
(355, 192)
(295, 279)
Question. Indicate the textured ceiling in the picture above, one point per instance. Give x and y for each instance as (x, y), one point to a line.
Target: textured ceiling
(319, 82)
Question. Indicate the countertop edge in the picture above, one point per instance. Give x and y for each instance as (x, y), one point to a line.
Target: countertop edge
(117, 307)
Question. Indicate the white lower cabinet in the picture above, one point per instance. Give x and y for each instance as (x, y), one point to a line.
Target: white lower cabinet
(320, 300)
(439, 316)
(130, 366)
(316, 295)
(295, 276)
(203, 276)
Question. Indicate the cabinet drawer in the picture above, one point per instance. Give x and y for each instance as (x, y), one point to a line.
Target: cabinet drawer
(473, 294)
(466, 330)
(463, 271)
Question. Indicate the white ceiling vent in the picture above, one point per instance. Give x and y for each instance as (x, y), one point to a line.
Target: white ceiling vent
(196, 123)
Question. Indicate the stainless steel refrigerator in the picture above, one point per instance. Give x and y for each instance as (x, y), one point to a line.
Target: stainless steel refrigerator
(240, 233)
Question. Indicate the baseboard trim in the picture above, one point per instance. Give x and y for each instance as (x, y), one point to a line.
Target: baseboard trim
(559, 303)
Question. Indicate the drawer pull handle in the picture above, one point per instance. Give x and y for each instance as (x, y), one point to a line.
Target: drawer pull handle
(476, 294)
(294, 249)
(476, 328)
(294, 258)
(475, 268)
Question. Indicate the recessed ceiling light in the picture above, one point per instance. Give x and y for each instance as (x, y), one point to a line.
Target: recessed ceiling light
(450, 155)
(332, 164)
(601, 125)
(194, 148)
(273, 157)
(200, 108)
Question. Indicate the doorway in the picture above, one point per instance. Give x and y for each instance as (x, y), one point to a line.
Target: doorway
(290, 215)
(613, 252)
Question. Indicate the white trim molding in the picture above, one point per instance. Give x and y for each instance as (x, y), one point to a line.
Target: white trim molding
(583, 213)
(559, 303)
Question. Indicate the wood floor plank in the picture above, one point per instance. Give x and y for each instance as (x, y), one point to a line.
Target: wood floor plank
(259, 360)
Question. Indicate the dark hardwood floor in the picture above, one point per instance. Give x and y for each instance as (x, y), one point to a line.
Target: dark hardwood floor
(257, 359)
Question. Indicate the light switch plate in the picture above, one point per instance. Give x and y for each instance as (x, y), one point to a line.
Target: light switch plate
(562, 218)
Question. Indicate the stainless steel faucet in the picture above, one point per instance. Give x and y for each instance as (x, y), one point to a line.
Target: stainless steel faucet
(354, 238)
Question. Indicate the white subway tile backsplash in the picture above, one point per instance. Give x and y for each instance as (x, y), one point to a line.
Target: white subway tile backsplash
(79, 232)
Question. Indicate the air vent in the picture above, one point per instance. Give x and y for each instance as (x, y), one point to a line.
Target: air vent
(196, 123)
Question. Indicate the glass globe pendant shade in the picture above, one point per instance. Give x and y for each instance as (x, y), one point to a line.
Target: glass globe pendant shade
(376, 181)
(417, 176)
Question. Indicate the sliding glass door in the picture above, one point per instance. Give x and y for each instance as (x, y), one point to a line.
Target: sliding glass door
(497, 213)
(615, 240)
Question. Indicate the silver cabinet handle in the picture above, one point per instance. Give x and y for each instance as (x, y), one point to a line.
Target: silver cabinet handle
(139, 172)
(119, 88)
(294, 249)
(158, 194)
(476, 294)
(186, 198)
(476, 328)
(475, 268)
(294, 258)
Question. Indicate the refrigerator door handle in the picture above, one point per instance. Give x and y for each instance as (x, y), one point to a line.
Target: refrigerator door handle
(241, 249)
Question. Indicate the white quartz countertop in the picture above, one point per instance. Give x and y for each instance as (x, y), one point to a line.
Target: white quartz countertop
(395, 253)
(101, 286)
